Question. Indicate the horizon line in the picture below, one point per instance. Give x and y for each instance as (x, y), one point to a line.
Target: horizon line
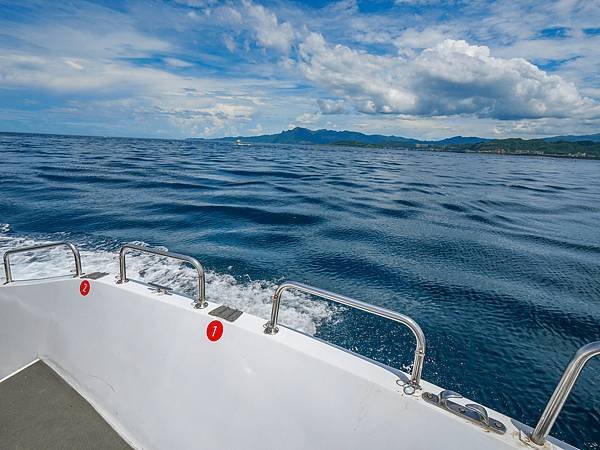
(282, 131)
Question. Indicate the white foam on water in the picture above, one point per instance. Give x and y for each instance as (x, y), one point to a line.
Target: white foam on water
(254, 297)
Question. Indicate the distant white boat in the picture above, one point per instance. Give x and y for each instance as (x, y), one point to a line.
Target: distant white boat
(240, 143)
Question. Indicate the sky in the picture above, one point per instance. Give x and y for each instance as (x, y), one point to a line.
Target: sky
(199, 68)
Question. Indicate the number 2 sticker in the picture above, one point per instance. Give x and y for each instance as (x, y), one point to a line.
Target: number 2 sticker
(84, 288)
(214, 331)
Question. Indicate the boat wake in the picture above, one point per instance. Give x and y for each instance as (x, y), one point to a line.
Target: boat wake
(254, 297)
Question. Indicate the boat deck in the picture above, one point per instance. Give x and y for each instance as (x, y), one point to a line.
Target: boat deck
(38, 409)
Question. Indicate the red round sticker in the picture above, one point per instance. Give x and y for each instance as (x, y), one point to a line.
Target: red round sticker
(214, 330)
(84, 288)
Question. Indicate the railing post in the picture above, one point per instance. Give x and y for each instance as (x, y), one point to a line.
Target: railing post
(199, 302)
(122, 267)
(71, 246)
(7, 271)
(415, 378)
(77, 257)
(562, 391)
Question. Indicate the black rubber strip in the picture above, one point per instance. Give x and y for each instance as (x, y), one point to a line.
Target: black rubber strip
(95, 275)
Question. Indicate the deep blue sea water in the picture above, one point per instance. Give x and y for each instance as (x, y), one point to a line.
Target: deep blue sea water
(496, 257)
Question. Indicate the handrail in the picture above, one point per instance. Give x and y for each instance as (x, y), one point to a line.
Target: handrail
(271, 325)
(8, 253)
(562, 391)
(199, 302)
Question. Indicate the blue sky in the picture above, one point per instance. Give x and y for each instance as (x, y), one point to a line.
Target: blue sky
(417, 68)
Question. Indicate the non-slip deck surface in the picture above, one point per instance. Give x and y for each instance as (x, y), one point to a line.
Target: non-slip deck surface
(38, 409)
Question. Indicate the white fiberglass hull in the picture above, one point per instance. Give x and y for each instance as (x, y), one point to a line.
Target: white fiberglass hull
(145, 362)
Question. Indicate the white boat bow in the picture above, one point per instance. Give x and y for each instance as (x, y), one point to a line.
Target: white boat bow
(166, 373)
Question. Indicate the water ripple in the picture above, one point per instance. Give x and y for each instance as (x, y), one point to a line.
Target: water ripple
(497, 258)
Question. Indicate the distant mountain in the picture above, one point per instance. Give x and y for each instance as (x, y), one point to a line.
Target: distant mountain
(560, 146)
(459, 140)
(300, 135)
(571, 138)
(530, 147)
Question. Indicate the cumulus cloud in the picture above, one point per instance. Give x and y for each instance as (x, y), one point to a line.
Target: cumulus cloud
(193, 105)
(246, 17)
(327, 106)
(91, 72)
(246, 62)
(410, 40)
(373, 83)
(453, 77)
(269, 31)
(307, 119)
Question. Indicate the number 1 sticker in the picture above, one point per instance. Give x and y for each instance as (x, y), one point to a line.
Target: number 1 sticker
(214, 331)
(84, 288)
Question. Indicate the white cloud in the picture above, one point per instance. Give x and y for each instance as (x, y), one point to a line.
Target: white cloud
(307, 119)
(257, 130)
(91, 75)
(212, 120)
(90, 70)
(102, 41)
(175, 62)
(450, 78)
(269, 31)
(327, 106)
(423, 2)
(373, 83)
(73, 64)
(250, 18)
(229, 43)
(455, 77)
(410, 71)
(411, 39)
(197, 3)
(191, 105)
(545, 127)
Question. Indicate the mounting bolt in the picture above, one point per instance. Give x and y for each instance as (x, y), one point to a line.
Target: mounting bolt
(270, 329)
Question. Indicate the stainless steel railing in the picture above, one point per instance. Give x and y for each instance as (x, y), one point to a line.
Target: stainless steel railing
(199, 302)
(562, 391)
(7, 255)
(415, 377)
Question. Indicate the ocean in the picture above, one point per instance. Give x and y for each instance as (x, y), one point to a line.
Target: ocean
(496, 257)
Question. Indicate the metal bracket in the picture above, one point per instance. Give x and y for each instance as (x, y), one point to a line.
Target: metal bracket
(160, 290)
(472, 412)
(525, 439)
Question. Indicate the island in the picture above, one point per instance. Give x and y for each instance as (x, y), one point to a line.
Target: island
(586, 147)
